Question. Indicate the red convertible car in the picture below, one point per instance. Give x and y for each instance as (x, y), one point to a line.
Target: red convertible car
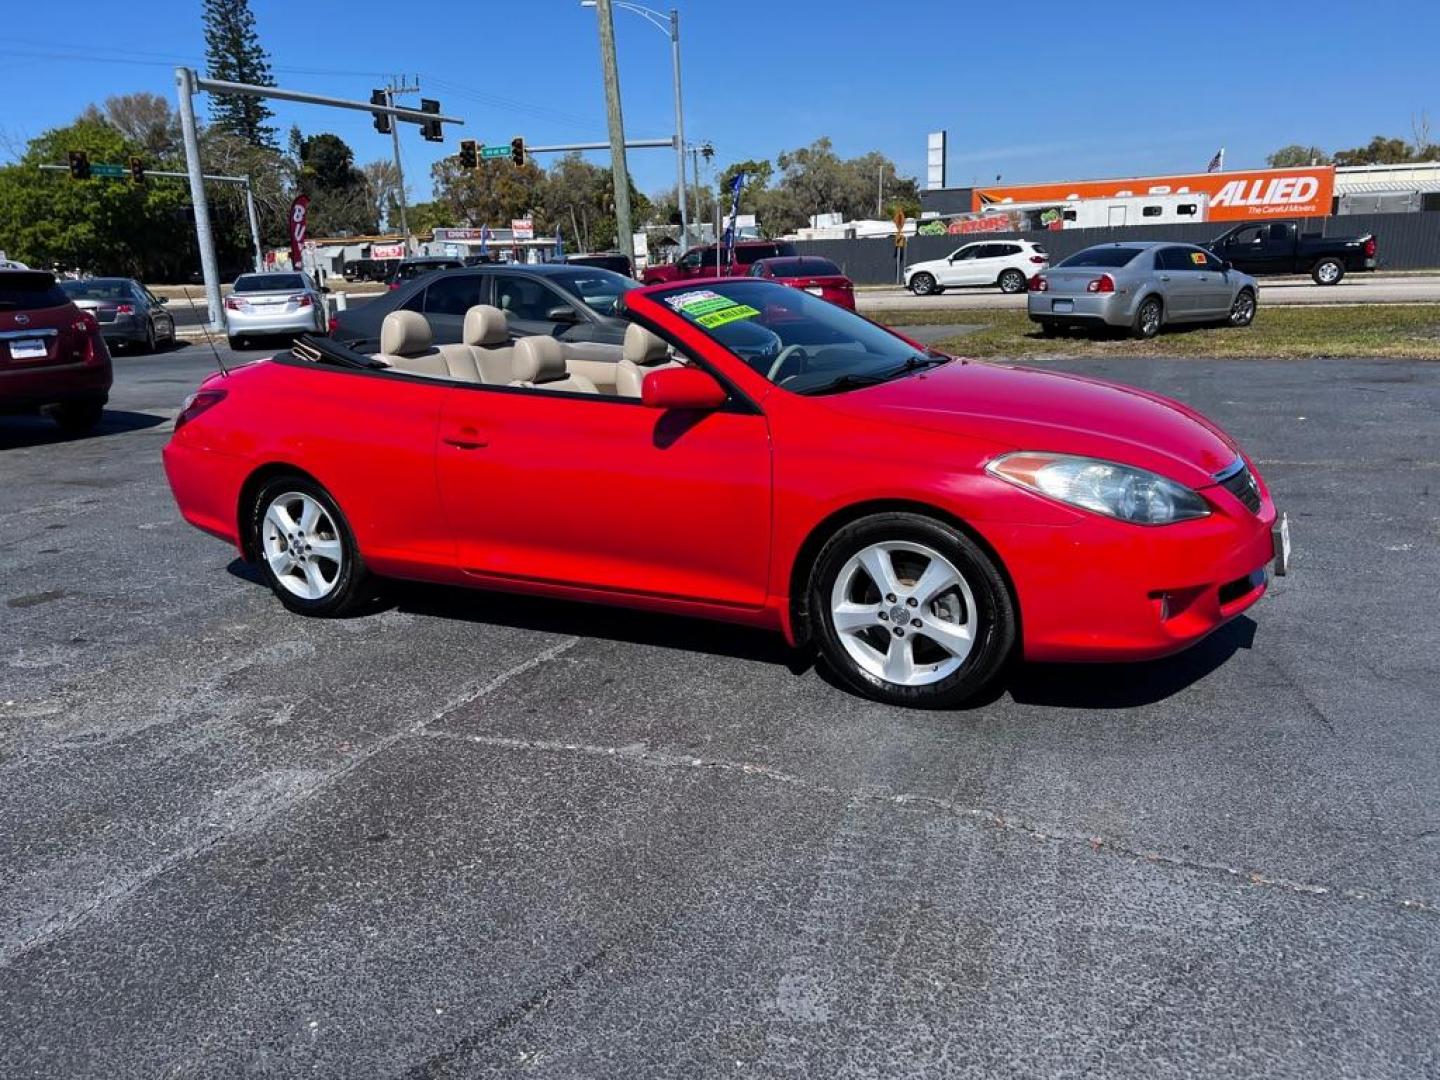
(758, 455)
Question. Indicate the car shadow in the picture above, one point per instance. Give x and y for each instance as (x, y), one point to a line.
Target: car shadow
(1067, 686)
(19, 432)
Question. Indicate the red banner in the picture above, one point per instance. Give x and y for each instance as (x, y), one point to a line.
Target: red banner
(299, 211)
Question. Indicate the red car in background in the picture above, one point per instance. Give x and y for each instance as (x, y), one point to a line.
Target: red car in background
(53, 357)
(709, 261)
(817, 276)
(760, 456)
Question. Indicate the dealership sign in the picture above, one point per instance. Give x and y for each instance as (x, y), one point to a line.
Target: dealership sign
(1231, 196)
(387, 251)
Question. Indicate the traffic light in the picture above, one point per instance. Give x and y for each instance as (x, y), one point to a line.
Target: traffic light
(382, 120)
(79, 165)
(431, 130)
(469, 154)
(137, 170)
(517, 150)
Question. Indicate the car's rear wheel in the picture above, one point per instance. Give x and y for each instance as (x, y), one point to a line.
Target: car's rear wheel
(305, 549)
(910, 611)
(1012, 281)
(922, 284)
(1050, 329)
(1328, 272)
(1148, 317)
(1242, 312)
(77, 417)
(235, 342)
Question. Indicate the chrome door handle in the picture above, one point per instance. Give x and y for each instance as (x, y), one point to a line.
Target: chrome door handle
(1164, 277)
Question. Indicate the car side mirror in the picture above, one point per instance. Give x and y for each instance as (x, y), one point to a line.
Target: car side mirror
(682, 388)
(563, 313)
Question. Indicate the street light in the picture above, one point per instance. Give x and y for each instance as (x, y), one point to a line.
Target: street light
(671, 27)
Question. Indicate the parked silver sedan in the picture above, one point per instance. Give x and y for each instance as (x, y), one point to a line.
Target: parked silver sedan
(1142, 286)
(278, 302)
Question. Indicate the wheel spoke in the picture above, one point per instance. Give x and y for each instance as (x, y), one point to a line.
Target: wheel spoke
(326, 549)
(900, 660)
(309, 515)
(937, 578)
(318, 584)
(279, 517)
(852, 618)
(877, 564)
(954, 638)
(280, 562)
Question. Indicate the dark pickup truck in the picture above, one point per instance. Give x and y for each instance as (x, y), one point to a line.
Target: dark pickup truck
(1279, 247)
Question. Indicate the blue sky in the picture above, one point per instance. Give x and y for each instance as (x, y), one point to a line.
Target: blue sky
(1034, 91)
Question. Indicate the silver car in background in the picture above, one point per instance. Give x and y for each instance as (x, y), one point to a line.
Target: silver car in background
(278, 302)
(1141, 286)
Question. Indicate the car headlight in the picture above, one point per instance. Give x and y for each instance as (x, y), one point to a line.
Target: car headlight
(1117, 491)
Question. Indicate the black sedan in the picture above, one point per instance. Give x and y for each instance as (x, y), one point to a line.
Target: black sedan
(573, 303)
(128, 313)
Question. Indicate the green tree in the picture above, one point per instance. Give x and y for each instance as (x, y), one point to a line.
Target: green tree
(1379, 151)
(340, 200)
(233, 53)
(1297, 154)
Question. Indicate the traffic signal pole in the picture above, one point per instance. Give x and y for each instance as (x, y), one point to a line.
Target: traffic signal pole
(618, 170)
(188, 84)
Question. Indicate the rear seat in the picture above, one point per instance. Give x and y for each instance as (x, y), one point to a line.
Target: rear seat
(406, 345)
(539, 362)
(643, 353)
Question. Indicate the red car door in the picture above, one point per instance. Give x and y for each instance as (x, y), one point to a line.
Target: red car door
(603, 492)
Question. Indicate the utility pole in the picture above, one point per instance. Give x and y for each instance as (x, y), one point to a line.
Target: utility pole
(390, 92)
(209, 269)
(618, 171)
(880, 194)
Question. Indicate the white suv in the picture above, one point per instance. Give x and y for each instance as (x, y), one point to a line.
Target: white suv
(1009, 264)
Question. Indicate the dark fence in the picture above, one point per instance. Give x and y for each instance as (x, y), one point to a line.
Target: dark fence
(1405, 242)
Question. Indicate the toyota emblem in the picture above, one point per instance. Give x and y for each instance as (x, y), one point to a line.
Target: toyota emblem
(22, 319)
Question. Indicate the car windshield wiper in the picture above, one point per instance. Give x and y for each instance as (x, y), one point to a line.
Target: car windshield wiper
(853, 381)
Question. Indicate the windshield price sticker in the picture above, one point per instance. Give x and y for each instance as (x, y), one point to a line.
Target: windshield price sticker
(709, 309)
(727, 315)
(1198, 258)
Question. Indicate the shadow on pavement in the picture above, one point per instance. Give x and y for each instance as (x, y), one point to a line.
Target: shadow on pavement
(22, 431)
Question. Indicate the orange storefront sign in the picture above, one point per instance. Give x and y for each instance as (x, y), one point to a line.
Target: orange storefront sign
(1231, 196)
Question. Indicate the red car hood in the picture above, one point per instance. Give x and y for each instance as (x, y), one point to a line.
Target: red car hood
(1019, 408)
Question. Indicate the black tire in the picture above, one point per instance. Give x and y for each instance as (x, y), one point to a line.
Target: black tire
(1148, 317)
(77, 417)
(922, 284)
(1242, 313)
(353, 585)
(150, 343)
(235, 342)
(996, 623)
(1049, 329)
(1328, 271)
(1011, 281)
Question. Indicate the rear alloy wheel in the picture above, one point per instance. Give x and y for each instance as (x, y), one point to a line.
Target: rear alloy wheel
(1012, 281)
(922, 284)
(1148, 317)
(1328, 272)
(910, 611)
(306, 551)
(1242, 312)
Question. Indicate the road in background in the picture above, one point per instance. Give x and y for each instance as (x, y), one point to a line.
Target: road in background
(477, 835)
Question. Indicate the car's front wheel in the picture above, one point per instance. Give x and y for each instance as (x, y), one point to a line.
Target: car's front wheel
(910, 611)
(922, 284)
(1328, 272)
(1242, 312)
(305, 549)
(1148, 317)
(1012, 281)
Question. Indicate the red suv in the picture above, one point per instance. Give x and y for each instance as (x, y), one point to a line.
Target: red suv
(53, 358)
(704, 262)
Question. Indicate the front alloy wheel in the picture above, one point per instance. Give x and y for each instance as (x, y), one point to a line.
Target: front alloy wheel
(922, 284)
(1242, 312)
(1147, 319)
(911, 611)
(306, 552)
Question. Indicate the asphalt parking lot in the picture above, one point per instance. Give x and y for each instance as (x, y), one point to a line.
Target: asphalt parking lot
(475, 836)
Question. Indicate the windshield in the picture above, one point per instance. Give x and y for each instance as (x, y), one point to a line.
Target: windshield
(269, 283)
(1103, 256)
(97, 289)
(794, 339)
(598, 288)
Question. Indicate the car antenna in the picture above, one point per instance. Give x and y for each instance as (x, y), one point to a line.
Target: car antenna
(205, 325)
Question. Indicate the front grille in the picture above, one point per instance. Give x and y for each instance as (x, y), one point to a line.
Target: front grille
(1240, 482)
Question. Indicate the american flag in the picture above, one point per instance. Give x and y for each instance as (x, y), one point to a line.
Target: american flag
(1217, 162)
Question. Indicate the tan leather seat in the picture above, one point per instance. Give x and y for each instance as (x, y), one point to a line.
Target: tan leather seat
(539, 362)
(643, 353)
(487, 336)
(406, 344)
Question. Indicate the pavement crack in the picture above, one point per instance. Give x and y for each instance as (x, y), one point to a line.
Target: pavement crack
(982, 816)
(130, 884)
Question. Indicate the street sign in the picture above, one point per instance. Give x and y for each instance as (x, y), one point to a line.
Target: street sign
(107, 170)
(494, 151)
(899, 220)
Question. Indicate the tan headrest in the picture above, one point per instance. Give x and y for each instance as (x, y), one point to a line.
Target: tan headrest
(538, 359)
(643, 348)
(404, 333)
(486, 325)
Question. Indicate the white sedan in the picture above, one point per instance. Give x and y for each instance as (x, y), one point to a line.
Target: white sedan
(1008, 264)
